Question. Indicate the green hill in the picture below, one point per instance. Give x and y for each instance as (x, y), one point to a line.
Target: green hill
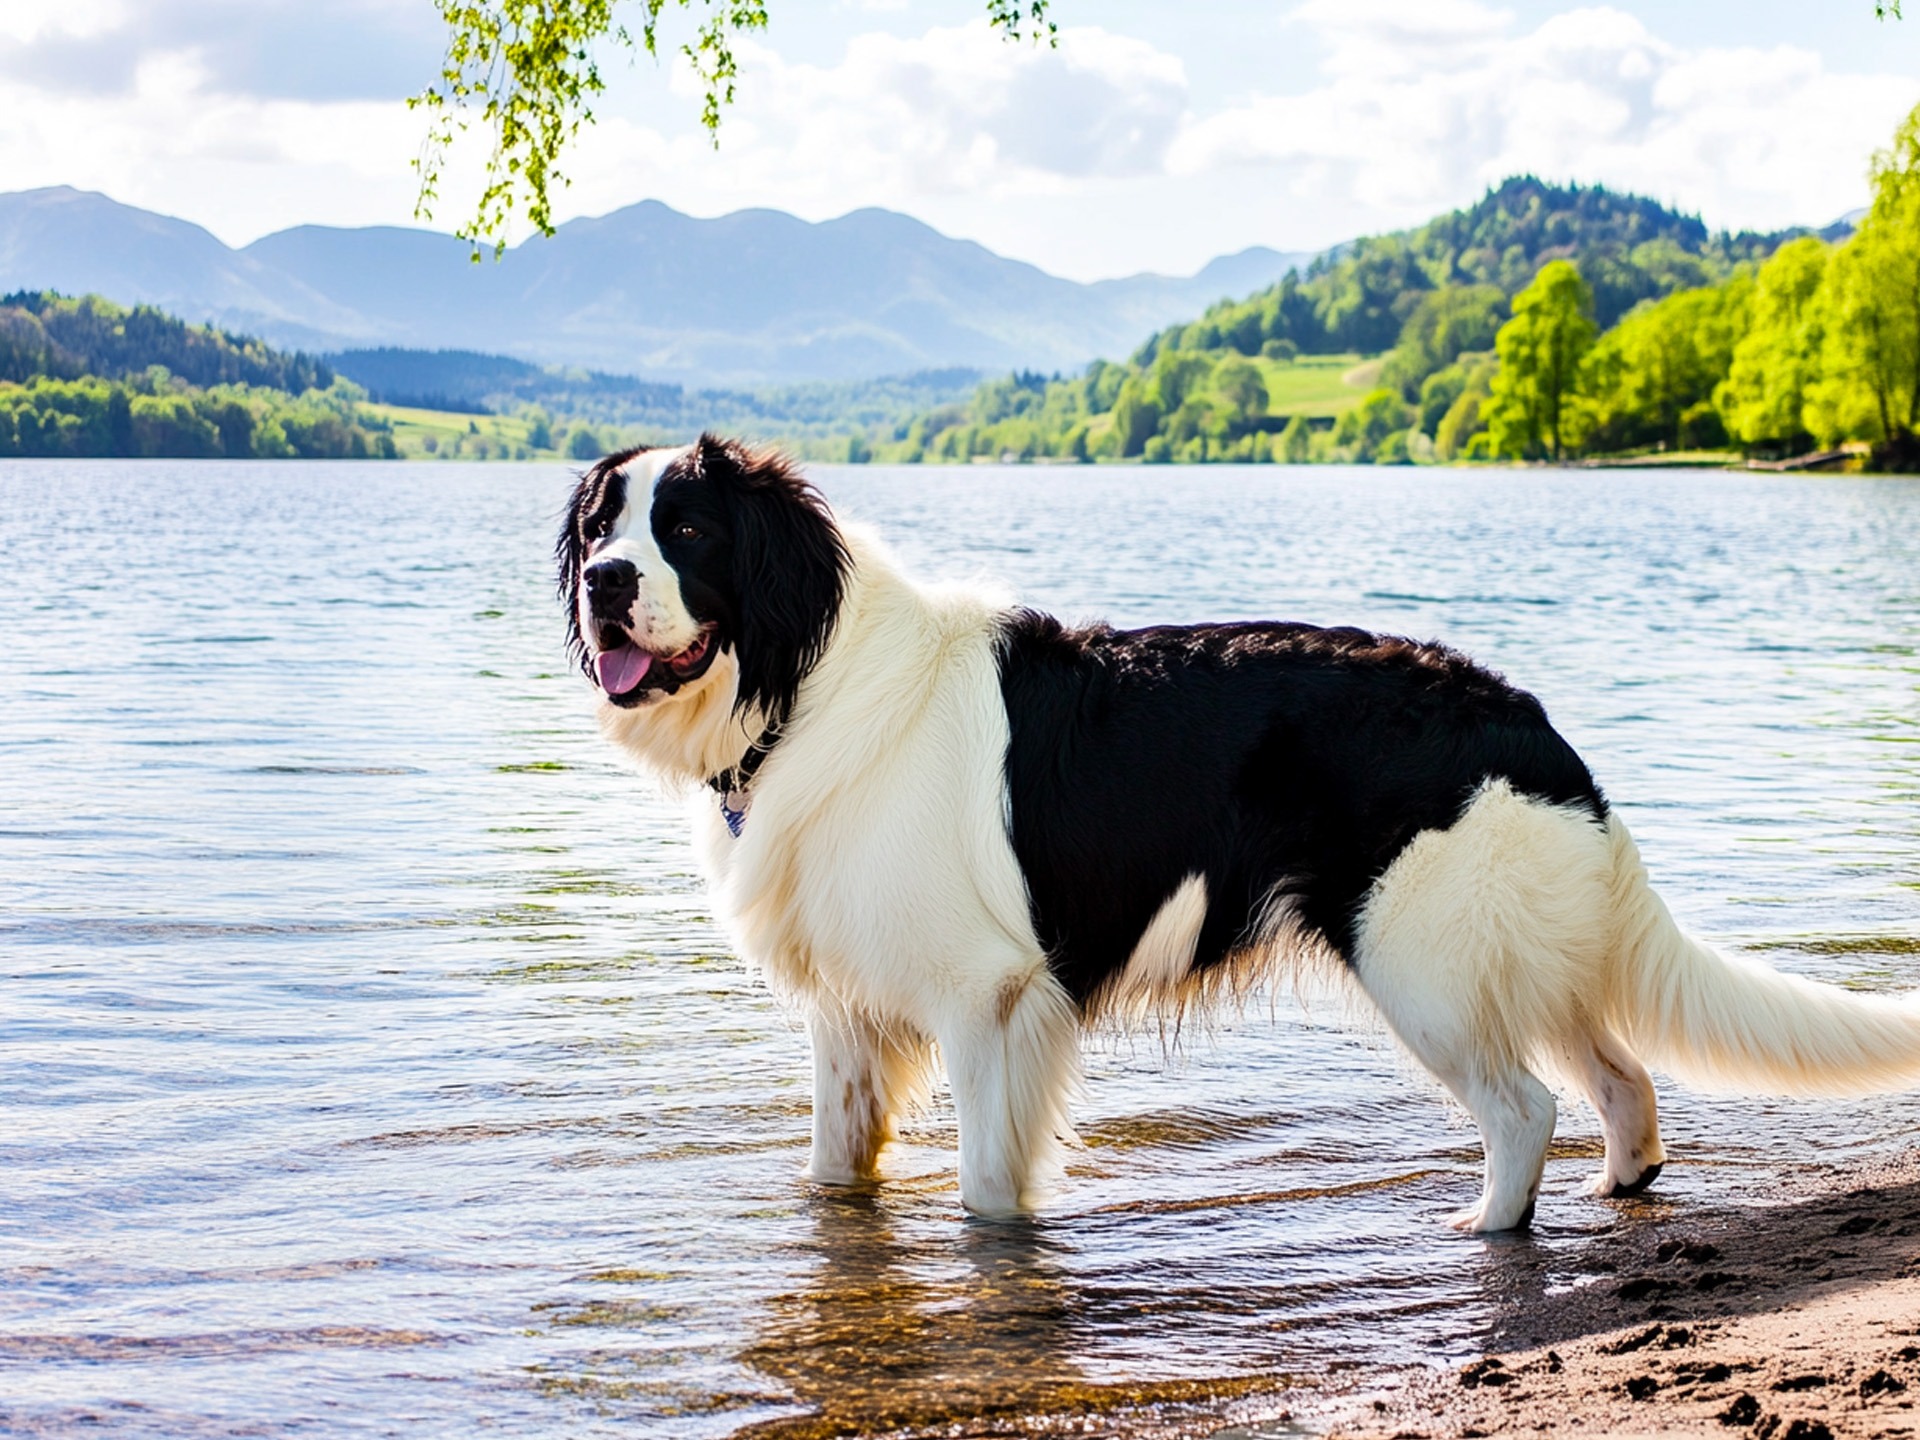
(1232, 383)
(86, 377)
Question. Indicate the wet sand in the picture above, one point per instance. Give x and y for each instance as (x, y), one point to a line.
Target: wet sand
(1788, 1322)
(1791, 1321)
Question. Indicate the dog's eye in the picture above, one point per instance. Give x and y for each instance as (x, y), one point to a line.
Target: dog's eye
(685, 532)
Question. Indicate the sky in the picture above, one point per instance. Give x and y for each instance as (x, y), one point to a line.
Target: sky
(1155, 136)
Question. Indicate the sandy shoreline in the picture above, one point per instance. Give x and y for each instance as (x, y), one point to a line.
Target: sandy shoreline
(1790, 1321)
(1795, 1320)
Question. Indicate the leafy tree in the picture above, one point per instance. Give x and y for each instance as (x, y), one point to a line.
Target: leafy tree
(1296, 441)
(1540, 351)
(1371, 293)
(1176, 374)
(1444, 324)
(1650, 381)
(1441, 391)
(583, 444)
(1365, 429)
(119, 422)
(1103, 382)
(1763, 401)
(1463, 423)
(1870, 354)
(27, 350)
(1239, 383)
(161, 416)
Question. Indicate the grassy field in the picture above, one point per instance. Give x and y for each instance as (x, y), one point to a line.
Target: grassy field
(1317, 384)
(443, 435)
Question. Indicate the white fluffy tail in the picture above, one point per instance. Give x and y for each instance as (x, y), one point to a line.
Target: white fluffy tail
(1726, 1022)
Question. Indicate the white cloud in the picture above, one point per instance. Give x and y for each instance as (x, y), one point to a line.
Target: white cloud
(1102, 157)
(1424, 104)
(946, 124)
(28, 22)
(962, 109)
(240, 165)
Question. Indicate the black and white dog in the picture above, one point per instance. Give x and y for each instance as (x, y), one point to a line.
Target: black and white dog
(940, 820)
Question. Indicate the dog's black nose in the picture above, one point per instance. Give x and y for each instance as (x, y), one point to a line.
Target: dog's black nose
(612, 586)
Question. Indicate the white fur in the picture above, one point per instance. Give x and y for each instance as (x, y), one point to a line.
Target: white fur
(1526, 936)
(873, 880)
(864, 1080)
(1162, 957)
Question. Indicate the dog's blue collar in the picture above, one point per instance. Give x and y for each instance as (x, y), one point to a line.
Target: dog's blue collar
(731, 785)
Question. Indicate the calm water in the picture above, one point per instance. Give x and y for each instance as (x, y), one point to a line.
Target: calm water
(372, 1063)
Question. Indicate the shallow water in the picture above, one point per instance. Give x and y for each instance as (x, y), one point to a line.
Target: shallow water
(373, 1065)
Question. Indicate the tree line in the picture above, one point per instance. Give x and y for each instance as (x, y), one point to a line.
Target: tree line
(1542, 323)
(1817, 347)
(87, 378)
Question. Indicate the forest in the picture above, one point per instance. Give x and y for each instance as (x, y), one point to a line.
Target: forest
(85, 377)
(1545, 322)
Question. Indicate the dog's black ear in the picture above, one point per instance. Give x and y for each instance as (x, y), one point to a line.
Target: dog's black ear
(570, 551)
(790, 566)
(601, 487)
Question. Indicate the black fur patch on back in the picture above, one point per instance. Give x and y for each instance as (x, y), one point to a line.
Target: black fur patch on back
(1256, 755)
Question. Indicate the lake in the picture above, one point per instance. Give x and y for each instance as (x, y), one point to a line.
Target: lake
(373, 1063)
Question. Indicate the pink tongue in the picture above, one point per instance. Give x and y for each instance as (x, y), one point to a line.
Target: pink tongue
(620, 670)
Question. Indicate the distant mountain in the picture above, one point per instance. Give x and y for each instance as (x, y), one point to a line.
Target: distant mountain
(753, 298)
(80, 243)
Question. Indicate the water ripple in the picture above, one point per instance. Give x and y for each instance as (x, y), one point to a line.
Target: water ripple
(375, 1065)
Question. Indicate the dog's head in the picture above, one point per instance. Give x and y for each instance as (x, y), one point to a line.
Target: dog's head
(686, 569)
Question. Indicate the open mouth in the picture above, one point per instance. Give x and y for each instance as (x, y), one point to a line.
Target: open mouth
(631, 676)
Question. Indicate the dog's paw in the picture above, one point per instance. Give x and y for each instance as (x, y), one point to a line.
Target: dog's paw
(1608, 1186)
(1487, 1219)
(831, 1173)
(1469, 1220)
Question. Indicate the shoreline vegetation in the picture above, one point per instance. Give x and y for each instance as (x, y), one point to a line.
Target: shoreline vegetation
(86, 377)
(1546, 323)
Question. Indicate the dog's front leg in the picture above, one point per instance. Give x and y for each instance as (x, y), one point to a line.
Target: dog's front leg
(864, 1078)
(1013, 1068)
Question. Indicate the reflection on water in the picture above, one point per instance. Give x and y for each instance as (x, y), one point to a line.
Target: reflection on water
(373, 1061)
(877, 1337)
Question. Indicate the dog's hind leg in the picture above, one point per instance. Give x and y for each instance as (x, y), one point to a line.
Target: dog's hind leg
(1013, 1068)
(864, 1078)
(1480, 944)
(1514, 1111)
(1622, 1091)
